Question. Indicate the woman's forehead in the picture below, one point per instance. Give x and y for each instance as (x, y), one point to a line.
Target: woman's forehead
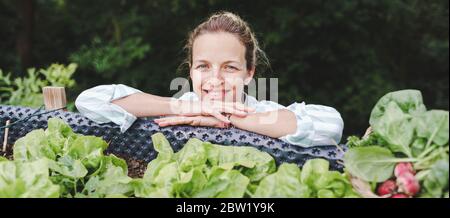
(218, 47)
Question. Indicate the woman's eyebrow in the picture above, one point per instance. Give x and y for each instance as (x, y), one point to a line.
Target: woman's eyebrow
(200, 61)
(231, 61)
(226, 62)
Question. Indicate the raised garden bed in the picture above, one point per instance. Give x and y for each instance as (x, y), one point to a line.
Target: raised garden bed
(136, 142)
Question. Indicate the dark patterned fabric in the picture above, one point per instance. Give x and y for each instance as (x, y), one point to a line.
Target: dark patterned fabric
(136, 141)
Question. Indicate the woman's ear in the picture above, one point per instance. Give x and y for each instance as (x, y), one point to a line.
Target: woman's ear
(249, 76)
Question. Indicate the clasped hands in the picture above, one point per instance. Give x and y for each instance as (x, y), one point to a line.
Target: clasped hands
(205, 113)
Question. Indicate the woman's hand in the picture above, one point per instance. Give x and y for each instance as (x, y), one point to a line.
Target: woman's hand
(213, 108)
(192, 121)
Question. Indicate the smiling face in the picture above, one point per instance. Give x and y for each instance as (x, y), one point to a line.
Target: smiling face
(219, 69)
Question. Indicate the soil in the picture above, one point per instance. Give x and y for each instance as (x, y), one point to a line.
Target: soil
(136, 168)
(9, 152)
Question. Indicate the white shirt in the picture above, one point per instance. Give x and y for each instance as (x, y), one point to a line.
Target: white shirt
(316, 124)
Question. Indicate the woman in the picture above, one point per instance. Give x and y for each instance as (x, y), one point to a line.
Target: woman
(222, 56)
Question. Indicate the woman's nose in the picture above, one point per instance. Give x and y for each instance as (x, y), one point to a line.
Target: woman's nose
(215, 78)
(217, 73)
(215, 81)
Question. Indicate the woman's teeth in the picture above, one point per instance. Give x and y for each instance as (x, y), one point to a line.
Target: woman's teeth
(215, 94)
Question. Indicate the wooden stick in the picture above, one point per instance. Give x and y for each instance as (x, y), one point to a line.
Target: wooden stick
(338, 146)
(363, 188)
(54, 97)
(5, 139)
(368, 132)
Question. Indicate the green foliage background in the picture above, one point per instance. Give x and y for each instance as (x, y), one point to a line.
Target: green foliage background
(345, 54)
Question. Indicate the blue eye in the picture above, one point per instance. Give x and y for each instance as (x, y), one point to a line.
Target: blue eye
(201, 66)
(229, 67)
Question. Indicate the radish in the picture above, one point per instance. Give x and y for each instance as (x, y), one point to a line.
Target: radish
(400, 195)
(404, 167)
(388, 187)
(408, 184)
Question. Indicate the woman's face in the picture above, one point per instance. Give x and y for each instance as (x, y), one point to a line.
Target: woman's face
(218, 70)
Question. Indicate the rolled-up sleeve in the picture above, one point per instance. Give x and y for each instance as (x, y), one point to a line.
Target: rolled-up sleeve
(95, 104)
(316, 125)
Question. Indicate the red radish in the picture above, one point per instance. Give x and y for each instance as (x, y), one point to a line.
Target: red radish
(388, 187)
(404, 167)
(408, 184)
(400, 195)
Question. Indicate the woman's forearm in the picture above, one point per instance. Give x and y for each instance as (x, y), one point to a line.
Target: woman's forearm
(144, 105)
(273, 123)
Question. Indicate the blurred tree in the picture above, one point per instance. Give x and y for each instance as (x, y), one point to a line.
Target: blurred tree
(25, 35)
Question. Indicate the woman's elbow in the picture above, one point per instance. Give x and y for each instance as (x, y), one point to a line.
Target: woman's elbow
(329, 129)
(81, 102)
(89, 100)
(337, 131)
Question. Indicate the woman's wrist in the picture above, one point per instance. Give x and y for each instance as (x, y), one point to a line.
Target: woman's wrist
(178, 107)
(233, 120)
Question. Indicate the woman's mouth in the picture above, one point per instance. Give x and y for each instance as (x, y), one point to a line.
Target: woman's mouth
(215, 94)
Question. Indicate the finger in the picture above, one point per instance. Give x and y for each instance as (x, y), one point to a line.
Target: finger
(171, 120)
(165, 118)
(174, 122)
(220, 117)
(232, 110)
(159, 120)
(242, 107)
(236, 108)
(222, 107)
(163, 124)
(222, 125)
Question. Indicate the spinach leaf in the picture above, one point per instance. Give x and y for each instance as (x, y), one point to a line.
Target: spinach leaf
(396, 128)
(372, 163)
(436, 181)
(434, 125)
(418, 146)
(409, 101)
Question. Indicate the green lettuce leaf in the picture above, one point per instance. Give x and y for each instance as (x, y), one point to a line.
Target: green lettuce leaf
(59, 135)
(224, 183)
(33, 146)
(192, 155)
(88, 149)
(190, 183)
(26, 180)
(285, 183)
(111, 181)
(325, 183)
(253, 163)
